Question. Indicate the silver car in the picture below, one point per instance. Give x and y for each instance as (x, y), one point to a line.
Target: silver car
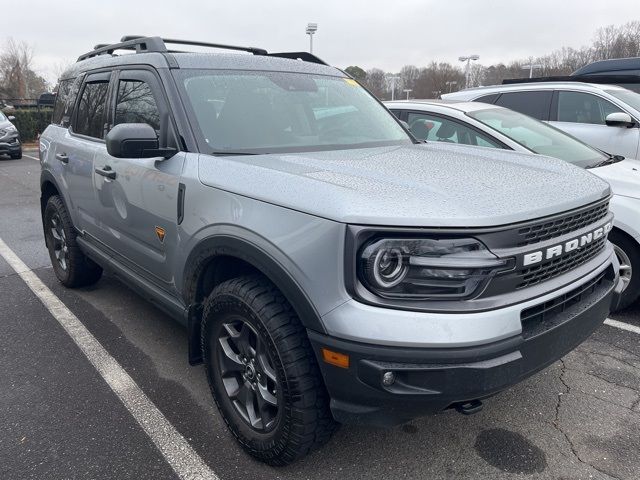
(604, 116)
(329, 268)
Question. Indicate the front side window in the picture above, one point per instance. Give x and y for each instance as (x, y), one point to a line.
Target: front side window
(91, 108)
(426, 126)
(135, 104)
(263, 112)
(630, 98)
(578, 107)
(538, 137)
(62, 97)
(534, 104)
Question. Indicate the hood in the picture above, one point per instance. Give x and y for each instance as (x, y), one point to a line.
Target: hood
(434, 184)
(624, 177)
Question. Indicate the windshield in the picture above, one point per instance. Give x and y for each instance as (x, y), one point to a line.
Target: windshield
(539, 137)
(270, 112)
(630, 98)
(2, 117)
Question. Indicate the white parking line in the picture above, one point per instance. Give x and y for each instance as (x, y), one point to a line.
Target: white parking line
(175, 449)
(29, 156)
(622, 325)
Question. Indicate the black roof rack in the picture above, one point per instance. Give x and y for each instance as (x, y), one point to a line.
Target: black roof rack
(142, 44)
(599, 79)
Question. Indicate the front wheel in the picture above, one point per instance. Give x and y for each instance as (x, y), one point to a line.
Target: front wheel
(262, 371)
(628, 253)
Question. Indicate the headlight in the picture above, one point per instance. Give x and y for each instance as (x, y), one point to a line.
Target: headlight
(11, 128)
(424, 269)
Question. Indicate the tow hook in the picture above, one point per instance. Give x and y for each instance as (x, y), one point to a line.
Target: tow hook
(469, 408)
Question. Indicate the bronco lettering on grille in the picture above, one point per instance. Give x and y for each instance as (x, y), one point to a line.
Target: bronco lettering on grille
(573, 244)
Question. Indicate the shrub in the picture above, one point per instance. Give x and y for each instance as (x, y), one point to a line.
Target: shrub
(31, 122)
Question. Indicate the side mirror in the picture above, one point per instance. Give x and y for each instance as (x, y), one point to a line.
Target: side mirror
(619, 119)
(135, 140)
(11, 118)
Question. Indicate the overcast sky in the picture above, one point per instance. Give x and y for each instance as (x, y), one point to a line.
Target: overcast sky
(369, 33)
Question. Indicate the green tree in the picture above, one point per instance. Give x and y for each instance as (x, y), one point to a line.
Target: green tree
(356, 72)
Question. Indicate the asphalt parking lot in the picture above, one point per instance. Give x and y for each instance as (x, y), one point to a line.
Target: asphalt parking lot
(59, 419)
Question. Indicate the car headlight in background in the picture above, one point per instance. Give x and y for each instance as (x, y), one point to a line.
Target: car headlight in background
(424, 268)
(11, 128)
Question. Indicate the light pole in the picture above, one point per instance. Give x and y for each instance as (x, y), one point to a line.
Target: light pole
(468, 59)
(407, 91)
(393, 79)
(531, 66)
(450, 84)
(312, 28)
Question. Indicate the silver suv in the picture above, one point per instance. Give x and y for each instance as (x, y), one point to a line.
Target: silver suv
(328, 269)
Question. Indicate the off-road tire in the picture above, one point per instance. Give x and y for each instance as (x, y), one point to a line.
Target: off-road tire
(80, 271)
(304, 419)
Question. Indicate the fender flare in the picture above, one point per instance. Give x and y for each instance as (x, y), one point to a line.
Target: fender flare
(256, 256)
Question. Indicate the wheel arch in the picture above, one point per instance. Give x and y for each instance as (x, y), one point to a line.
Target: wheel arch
(222, 257)
(48, 188)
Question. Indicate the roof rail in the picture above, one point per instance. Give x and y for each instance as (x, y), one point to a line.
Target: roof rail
(142, 44)
(599, 79)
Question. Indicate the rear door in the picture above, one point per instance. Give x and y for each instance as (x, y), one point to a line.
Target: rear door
(76, 147)
(583, 115)
(138, 200)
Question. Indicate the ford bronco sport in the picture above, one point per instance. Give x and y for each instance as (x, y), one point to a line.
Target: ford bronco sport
(328, 269)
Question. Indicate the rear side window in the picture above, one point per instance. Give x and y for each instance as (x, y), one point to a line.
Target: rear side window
(578, 107)
(90, 119)
(534, 104)
(135, 104)
(425, 126)
(488, 98)
(62, 97)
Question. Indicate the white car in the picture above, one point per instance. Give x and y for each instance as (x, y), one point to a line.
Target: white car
(482, 125)
(604, 116)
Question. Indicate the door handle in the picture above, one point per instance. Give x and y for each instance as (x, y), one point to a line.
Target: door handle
(107, 172)
(63, 157)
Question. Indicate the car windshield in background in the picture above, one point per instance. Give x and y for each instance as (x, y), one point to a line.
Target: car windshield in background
(2, 117)
(271, 112)
(538, 137)
(630, 98)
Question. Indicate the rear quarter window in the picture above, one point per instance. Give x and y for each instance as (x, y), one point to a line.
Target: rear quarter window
(62, 97)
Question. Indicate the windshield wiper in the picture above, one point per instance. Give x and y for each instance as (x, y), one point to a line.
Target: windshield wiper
(611, 160)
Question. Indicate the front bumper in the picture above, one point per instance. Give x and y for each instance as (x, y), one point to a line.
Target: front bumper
(10, 146)
(429, 380)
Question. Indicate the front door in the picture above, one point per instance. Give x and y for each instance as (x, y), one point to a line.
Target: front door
(583, 115)
(138, 197)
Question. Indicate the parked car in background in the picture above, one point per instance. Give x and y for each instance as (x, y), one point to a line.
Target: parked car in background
(9, 137)
(604, 116)
(473, 123)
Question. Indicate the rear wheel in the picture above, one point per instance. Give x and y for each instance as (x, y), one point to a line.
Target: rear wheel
(70, 265)
(262, 371)
(628, 253)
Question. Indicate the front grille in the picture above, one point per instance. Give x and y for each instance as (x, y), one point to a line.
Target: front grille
(539, 273)
(545, 230)
(543, 317)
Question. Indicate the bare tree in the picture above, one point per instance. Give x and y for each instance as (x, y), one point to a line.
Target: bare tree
(376, 82)
(17, 77)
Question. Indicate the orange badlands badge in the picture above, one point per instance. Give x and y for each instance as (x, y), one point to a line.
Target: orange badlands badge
(160, 233)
